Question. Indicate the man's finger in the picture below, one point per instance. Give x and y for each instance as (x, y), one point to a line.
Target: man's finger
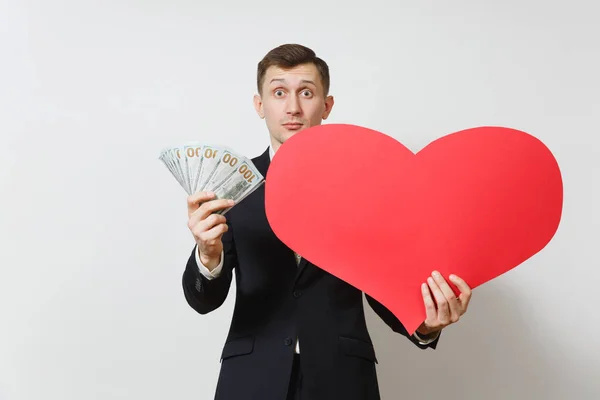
(443, 311)
(465, 291)
(194, 200)
(209, 208)
(207, 224)
(215, 205)
(212, 220)
(430, 310)
(214, 233)
(453, 302)
(200, 221)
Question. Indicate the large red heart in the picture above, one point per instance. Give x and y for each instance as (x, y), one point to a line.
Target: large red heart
(360, 205)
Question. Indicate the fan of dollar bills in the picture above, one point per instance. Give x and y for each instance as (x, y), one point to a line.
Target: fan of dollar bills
(201, 167)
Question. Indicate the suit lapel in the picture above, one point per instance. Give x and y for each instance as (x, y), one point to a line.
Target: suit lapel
(301, 267)
(262, 163)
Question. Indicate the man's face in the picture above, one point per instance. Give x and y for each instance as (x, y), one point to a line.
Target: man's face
(292, 100)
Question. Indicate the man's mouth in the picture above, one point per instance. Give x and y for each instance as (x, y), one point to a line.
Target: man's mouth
(293, 126)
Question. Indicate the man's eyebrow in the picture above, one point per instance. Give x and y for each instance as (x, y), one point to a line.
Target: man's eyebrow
(302, 81)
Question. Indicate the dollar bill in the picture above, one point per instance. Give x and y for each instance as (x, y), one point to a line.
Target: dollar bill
(247, 193)
(173, 160)
(245, 180)
(168, 161)
(204, 167)
(179, 154)
(210, 160)
(226, 167)
(193, 155)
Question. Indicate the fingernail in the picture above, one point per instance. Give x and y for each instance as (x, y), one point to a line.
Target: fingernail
(436, 274)
(453, 277)
(430, 280)
(231, 202)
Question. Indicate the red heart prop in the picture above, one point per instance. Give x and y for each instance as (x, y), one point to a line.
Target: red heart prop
(360, 205)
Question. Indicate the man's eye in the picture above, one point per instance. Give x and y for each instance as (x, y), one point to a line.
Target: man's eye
(279, 93)
(307, 93)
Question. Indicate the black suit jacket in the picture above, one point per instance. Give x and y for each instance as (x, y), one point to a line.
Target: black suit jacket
(276, 300)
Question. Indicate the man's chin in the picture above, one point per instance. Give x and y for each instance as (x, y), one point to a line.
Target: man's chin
(286, 134)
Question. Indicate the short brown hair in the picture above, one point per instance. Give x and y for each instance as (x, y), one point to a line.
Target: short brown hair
(289, 56)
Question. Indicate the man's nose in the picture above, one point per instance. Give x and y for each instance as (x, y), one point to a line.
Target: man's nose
(293, 106)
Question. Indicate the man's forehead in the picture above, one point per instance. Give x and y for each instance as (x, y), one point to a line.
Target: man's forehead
(296, 75)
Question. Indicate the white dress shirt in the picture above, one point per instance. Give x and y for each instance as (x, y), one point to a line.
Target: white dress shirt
(217, 271)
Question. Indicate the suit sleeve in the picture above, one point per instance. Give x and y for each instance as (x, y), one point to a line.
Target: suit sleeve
(394, 323)
(205, 295)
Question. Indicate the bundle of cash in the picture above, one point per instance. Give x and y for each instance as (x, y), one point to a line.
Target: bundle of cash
(202, 167)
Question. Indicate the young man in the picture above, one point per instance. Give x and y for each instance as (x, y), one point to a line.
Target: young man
(297, 332)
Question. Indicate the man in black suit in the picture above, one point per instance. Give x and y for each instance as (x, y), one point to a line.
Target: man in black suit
(297, 332)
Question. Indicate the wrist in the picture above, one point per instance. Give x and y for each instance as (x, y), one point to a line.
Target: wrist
(427, 332)
(210, 262)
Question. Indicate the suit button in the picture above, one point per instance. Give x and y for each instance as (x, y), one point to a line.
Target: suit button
(288, 341)
(297, 293)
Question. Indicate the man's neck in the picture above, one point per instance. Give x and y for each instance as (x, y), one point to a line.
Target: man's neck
(273, 148)
(271, 152)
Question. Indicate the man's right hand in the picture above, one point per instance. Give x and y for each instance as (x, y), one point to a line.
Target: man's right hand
(207, 227)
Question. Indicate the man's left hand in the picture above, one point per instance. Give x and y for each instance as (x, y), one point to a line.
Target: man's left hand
(442, 307)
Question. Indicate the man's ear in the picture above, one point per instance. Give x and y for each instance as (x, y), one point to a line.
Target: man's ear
(328, 106)
(258, 106)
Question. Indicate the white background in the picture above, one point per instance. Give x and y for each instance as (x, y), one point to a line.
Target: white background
(94, 236)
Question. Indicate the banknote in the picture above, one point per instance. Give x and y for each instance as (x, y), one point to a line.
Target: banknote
(225, 167)
(172, 159)
(194, 159)
(207, 167)
(210, 159)
(245, 180)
